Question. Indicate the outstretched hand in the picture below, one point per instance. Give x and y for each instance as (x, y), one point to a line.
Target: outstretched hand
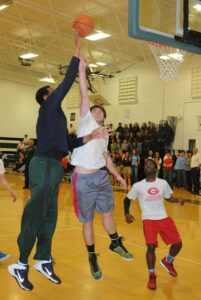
(129, 218)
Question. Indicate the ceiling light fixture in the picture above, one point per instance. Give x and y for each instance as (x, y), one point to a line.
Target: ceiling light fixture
(28, 55)
(197, 7)
(164, 57)
(93, 66)
(168, 56)
(5, 4)
(176, 56)
(99, 63)
(48, 78)
(97, 36)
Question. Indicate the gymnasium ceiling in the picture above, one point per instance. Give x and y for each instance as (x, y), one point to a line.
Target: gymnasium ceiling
(44, 27)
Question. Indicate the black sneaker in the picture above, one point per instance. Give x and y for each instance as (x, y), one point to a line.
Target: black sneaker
(95, 269)
(118, 247)
(46, 268)
(20, 273)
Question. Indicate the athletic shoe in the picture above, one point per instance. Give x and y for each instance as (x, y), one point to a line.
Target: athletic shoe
(119, 248)
(3, 256)
(95, 269)
(20, 273)
(152, 281)
(169, 267)
(46, 268)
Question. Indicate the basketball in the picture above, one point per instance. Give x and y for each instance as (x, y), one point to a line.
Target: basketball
(84, 25)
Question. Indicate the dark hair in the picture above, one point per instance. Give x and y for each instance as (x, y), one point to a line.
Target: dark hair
(41, 93)
(101, 107)
(153, 161)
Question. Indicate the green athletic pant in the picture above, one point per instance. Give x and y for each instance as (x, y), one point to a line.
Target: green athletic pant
(40, 213)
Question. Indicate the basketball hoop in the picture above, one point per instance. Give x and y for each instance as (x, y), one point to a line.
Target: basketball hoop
(168, 59)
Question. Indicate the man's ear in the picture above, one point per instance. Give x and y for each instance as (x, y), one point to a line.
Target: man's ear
(45, 97)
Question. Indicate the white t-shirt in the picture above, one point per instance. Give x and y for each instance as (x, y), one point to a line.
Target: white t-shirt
(89, 156)
(151, 197)
(195, 160)
(2, 170)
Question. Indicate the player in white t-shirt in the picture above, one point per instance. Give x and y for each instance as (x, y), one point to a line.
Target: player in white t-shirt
(151, 193)
(7, 186)
(92, 190)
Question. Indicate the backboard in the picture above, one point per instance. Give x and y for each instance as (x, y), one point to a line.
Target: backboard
(176, 23)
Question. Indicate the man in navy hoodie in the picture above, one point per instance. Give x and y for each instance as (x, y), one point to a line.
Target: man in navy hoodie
(40, 213)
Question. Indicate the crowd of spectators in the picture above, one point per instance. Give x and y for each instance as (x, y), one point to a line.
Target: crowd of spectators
(147, 136)
(130, 145)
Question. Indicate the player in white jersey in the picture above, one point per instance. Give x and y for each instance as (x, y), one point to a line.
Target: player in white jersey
(5, 183)
(7, 186)
(151, 193)
(92, 190)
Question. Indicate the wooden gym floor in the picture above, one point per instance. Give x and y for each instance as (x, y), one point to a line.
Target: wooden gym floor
(123, 280)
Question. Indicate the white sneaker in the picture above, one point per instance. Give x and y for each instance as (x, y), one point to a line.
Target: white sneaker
(20, 273)
(46, 268)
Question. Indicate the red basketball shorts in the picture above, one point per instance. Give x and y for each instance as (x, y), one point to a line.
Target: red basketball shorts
(165, 227)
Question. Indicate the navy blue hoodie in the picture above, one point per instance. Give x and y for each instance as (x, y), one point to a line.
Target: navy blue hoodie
(51, 126)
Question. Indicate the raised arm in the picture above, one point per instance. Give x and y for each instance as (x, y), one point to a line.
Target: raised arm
(61, 91)
(77, 44)
(84, 107)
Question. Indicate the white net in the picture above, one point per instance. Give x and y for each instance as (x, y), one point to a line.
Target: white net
(168, 59)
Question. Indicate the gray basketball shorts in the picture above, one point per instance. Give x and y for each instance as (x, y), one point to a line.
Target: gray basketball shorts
(92, 192)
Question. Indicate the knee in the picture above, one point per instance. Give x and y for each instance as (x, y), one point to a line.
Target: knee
(88, 225)
(151, 248)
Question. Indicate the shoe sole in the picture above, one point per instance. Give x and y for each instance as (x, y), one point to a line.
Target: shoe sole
(47, 276)
(11, 271)
(161, 263)
(5, 257)
(152, 289)
(97, 279)
(120, 255)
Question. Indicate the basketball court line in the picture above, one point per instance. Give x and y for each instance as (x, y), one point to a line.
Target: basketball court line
(127, 242)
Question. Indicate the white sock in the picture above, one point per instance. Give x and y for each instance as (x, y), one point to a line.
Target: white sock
(21, 264)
